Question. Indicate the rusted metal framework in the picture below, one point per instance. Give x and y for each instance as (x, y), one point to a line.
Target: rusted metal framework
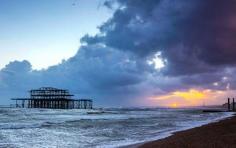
(48, 97)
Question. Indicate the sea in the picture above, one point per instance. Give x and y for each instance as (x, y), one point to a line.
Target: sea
(101, 128)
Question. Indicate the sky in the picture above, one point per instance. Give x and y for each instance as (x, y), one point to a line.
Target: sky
(120, 53)
(48, 29)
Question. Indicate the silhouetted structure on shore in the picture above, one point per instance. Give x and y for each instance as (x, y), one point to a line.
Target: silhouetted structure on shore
(227, 107)
(231, 106)
(48, 97)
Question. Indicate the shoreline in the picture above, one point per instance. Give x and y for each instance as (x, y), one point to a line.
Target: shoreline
(175, 137)
(216, 134)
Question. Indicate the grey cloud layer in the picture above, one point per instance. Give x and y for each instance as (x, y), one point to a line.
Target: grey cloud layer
(197, 32)
(110, 76)
(195, 37)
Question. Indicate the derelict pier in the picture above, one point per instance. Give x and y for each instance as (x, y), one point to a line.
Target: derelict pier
(48, 97)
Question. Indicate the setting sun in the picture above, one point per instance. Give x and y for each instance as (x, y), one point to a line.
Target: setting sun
(174, 105)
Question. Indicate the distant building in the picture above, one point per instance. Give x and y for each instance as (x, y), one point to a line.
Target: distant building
(48, 97)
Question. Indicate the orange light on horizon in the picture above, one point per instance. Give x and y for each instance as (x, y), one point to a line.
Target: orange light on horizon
(190, 97)
(192, 94)
(173, 105)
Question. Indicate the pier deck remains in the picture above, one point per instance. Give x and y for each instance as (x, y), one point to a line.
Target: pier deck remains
(48, 97)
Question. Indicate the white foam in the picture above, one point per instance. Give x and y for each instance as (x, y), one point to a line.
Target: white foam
(76, 128)
(185, 126)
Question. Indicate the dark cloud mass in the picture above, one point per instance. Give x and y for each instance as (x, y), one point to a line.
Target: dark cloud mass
(195, 37)
(199, 33)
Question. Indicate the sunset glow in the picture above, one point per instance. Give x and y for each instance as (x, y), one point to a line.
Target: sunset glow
(192, 97)
(174, 105)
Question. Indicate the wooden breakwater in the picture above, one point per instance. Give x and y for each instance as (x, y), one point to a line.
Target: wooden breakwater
(227, 107)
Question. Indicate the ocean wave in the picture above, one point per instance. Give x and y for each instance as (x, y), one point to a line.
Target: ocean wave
(101, 128)
(19, 126)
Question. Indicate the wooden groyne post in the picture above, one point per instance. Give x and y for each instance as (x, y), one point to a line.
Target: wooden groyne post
(228, 104)
(233, 105)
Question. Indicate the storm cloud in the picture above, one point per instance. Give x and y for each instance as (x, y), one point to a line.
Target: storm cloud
(195, 39)
(199, 33)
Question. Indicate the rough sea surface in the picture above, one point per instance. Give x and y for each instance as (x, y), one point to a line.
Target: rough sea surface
(46, 128)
